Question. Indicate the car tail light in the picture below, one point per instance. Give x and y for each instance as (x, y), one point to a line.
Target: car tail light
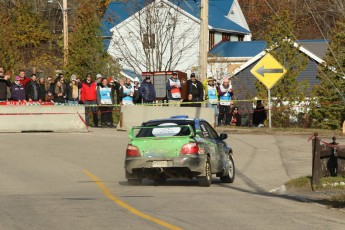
(132, 151)
(190, 148)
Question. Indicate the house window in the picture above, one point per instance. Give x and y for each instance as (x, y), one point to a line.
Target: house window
(234, 38)
(217, 38)
(149, 41)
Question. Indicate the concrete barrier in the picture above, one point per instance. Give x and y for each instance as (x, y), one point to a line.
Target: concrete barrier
(42, 119)
(134, 115)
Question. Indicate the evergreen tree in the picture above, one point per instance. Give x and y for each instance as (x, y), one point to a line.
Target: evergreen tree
(328, 111)
(86, 48)
(287, 92)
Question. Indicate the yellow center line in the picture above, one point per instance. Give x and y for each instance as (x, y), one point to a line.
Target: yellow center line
(124, 205)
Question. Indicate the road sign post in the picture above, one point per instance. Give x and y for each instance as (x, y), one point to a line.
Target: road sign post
(268, 71)
(269, 109)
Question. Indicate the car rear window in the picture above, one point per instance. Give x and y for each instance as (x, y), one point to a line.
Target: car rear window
(164, 130)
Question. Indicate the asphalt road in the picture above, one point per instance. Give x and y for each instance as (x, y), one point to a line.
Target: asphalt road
(76, 181)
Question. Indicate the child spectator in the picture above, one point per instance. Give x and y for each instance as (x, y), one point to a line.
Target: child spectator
(17, 90)
(189, 102)
(235, 117)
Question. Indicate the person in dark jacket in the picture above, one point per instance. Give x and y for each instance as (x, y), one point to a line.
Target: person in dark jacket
(259, 115)
(147, 91)
(105, 99)
(17, 90)
(137, 96)
(4, 84)
(31, 89)
(195, 88)
(42, 89)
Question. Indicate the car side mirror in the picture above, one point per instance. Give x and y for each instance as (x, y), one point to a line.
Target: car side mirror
(223, 136)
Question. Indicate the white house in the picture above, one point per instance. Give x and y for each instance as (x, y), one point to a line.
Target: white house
(162, 35)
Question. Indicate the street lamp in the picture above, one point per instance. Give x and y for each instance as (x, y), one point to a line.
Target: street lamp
(64, 9)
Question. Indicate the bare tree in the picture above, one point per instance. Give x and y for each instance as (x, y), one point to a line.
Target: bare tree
(156, 38)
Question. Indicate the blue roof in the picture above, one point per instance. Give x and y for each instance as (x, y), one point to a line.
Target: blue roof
(238, 49)
(218, 10)
(252, 48)
(132, 74)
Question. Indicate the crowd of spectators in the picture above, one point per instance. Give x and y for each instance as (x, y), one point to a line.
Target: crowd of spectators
(100, 94)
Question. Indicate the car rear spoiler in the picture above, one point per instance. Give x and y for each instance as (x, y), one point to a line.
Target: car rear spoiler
(132, 134)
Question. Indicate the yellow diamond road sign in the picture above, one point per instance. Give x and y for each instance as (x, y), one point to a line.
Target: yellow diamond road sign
(268, 70)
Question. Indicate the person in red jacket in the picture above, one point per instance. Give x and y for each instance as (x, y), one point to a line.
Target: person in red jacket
(88, 96)
(23, 79)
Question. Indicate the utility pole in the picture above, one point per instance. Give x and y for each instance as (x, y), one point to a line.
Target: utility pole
(204, 36)
(65, 32)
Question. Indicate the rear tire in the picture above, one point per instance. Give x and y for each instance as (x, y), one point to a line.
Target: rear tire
(230, 177)
(206, 180)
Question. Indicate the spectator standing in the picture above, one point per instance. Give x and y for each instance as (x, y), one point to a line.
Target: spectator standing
(115, 88)
(59, 93)
(8, 76)
(23, 79)
(5, 83)
(173, 86)
(17, 90)
(195, 88)
(50, 89)
(31, 89)
(127, 92)
(104, 98)
(235, 118)
(137, 96)
(99, 79)
(211, 96)
(259, 114)
(88, 96)
(73, 91)
(189, 102)
(225, 93)
(147, 91)
(42, 89)
(61, 76)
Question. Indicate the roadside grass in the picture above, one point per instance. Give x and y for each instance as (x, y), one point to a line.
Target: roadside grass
(325, 133)
(327, 183)
(338, 201)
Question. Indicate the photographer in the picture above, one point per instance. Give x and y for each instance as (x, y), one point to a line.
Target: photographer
(5, 83)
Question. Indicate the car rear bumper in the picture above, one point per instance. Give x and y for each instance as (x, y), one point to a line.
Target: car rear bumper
(191, 165)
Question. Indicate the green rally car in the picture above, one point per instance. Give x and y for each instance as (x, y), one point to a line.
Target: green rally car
(178, 147)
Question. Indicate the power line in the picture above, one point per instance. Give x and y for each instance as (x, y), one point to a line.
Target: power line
(338, 91)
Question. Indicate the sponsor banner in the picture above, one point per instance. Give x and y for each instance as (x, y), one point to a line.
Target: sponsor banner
(27, 103)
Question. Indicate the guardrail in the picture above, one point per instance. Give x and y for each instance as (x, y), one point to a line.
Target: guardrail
(328, 159)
